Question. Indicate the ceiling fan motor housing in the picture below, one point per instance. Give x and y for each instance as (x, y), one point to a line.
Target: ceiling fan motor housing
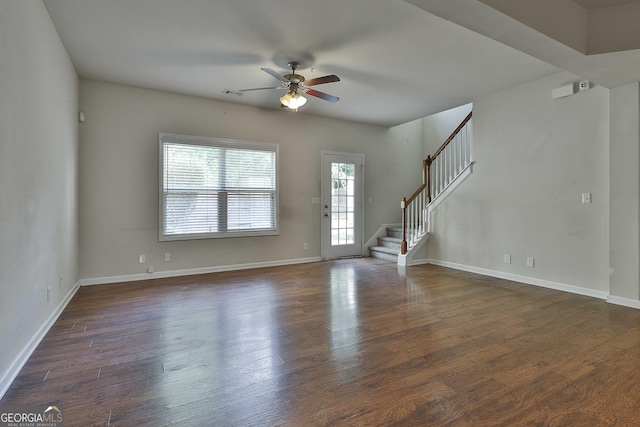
(293, 77)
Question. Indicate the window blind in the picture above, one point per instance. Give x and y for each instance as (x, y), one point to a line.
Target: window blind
(217, 188)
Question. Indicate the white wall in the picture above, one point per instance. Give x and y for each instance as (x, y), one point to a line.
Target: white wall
(38, 176)
(119, 177)
(534, 157)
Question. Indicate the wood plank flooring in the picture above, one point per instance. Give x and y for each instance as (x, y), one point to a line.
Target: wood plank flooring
(340, 343)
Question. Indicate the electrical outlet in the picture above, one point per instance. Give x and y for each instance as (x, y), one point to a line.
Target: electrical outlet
(507, 259)
(142, 259)
(530, 262)
(150, 269)
(584, 85)
(305, 246)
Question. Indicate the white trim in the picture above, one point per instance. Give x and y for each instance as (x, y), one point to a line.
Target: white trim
(626, 302)
(325, 232)
(524, 279)
(192, 271)
(422, 261)
(22, 358)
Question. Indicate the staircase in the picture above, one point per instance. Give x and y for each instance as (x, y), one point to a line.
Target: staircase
(388, 247)
(441, 174)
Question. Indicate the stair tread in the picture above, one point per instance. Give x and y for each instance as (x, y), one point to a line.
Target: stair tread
(390, 239)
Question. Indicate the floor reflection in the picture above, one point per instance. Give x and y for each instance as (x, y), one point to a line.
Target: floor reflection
(344, 298)
(344, 313)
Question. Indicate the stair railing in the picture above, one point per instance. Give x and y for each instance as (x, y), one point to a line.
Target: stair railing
(438, 171)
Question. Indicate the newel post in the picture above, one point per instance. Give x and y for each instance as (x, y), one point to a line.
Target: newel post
(403, 245)
(426, 168)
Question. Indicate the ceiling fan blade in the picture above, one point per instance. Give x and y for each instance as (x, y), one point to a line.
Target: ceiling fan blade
(321, 95)
(321, 80)
(261, 88)
(275, 74)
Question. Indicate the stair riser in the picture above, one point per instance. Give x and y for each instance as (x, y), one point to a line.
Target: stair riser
(383, 255)
(394, 233)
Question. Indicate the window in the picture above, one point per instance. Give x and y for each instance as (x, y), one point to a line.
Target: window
(217, 188)
(343, 207)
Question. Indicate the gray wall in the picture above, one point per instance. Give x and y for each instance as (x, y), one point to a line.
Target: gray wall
(119, 177)
(38, 177)
(438, 127)
(534, 157)
(624, 197)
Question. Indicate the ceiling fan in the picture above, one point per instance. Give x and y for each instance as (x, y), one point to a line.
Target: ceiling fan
(295, 83)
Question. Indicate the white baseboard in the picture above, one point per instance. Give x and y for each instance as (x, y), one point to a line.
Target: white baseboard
(21, 359)
(420, 261)
(192, 271)
(524, 279)
(626, 302)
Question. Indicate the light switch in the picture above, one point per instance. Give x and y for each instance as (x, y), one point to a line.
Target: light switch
(586, 198)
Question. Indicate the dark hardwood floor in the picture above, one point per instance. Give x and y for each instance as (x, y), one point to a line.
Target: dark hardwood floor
(351, 342)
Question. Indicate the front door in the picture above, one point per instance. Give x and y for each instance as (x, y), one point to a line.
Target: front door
(342, 204)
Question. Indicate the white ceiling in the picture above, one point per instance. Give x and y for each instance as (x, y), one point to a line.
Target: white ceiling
(397, 62)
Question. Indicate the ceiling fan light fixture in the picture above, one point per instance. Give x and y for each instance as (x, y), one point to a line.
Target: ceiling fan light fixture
(297, 101)
(286, 99)
(293, 100)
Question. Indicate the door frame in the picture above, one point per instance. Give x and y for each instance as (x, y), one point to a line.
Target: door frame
(360, 203)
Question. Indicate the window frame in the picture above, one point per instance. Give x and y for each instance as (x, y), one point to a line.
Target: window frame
(190, 140)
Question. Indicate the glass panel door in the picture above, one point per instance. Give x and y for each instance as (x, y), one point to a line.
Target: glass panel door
(342, 204)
